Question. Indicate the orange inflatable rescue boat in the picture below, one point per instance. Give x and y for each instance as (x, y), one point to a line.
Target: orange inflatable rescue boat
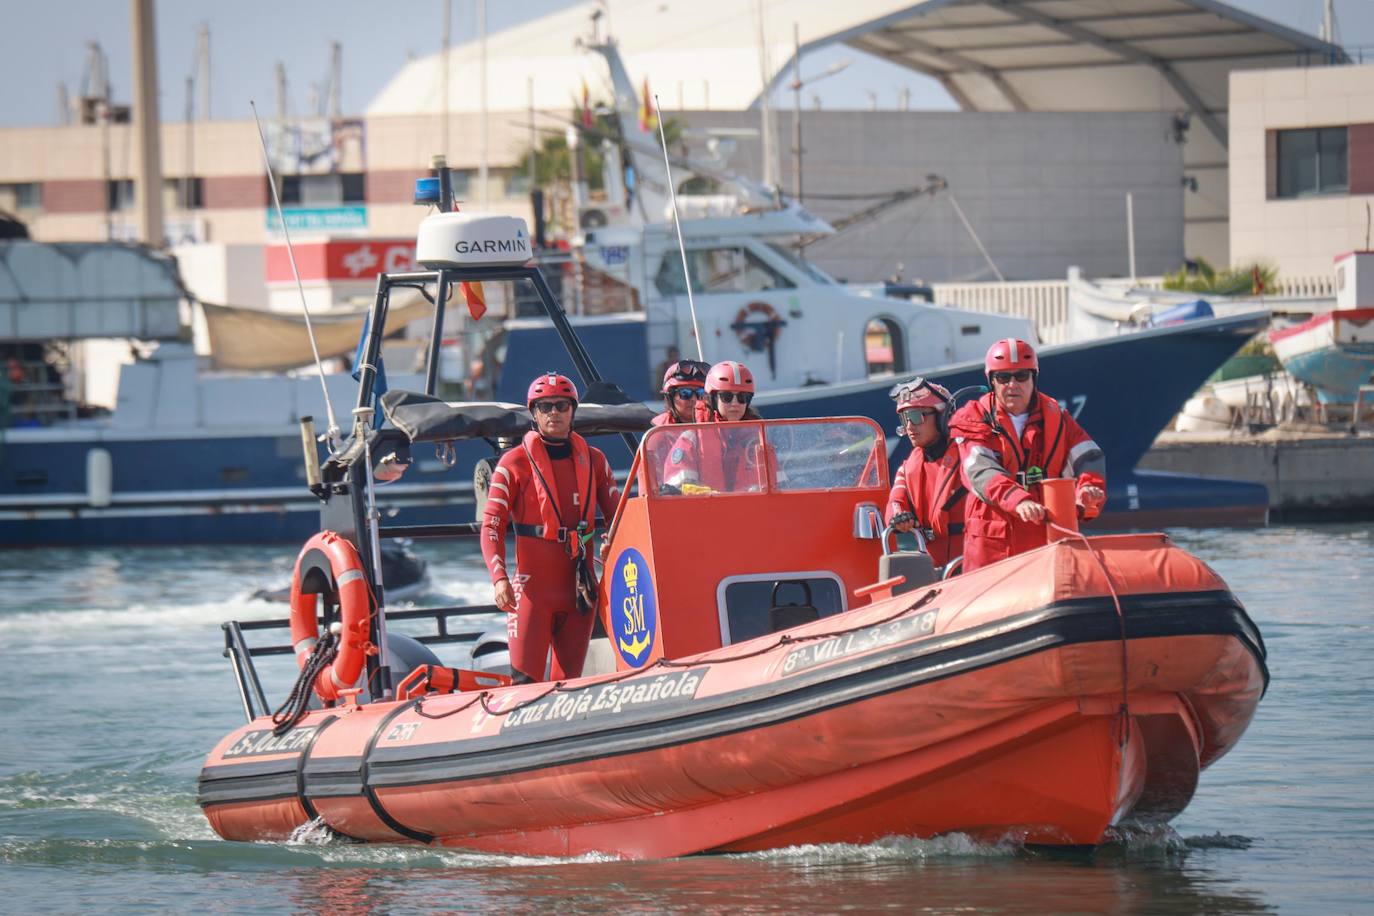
(768, 673)
(769, 692)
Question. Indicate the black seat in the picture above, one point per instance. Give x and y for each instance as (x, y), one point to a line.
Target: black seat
(786, 616)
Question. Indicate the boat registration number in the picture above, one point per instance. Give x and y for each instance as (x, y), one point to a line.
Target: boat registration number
(852, 643)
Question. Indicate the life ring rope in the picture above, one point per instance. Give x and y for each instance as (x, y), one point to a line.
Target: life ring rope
(356, 602)
(750, 332)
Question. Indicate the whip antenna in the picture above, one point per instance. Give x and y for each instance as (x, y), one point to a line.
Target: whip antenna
(677, 223)
(333, 432)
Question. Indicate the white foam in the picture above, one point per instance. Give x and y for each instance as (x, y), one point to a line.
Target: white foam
(891, 848)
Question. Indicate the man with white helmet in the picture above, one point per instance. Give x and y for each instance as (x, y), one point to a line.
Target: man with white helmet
(928, 492)
(1009, 441)
(548, 488)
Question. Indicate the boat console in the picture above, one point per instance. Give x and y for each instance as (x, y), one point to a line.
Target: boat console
(758, 552)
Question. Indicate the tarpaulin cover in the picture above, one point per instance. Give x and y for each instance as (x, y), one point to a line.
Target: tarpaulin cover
(428, 419)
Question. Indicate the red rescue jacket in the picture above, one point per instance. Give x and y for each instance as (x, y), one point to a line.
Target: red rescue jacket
(998, 468)
(933, 490)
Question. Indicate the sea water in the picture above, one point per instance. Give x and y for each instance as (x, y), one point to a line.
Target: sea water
(113, 688)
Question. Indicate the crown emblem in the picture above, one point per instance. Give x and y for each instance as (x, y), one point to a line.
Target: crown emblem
(631, 574)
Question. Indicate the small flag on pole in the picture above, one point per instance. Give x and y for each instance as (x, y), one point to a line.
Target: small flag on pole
(475, 297)
(648, 117)
(587, 119)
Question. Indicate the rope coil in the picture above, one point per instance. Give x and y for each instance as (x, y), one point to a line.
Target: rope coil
(297, 702)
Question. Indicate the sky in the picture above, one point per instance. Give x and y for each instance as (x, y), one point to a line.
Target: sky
(44, 43)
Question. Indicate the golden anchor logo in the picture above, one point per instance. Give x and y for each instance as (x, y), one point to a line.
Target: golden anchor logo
(635, 626)
(637, 647)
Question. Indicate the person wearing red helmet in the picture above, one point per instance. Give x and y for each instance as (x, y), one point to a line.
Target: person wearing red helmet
(720, 459)
(684, 387)
(1011, 439)
(928, 491)
(548, 489)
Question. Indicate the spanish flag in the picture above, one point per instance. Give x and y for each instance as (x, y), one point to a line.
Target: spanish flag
(587, 119)
(648, 117)
(474, 296)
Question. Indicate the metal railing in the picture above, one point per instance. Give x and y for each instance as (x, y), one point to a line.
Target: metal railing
(1046, 302)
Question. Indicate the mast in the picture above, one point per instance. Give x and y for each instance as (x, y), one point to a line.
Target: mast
(443, 76)
(770, 177)
(147, 133)
(203, 60)
(482, 169)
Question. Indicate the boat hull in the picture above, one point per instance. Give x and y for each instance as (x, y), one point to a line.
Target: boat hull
(990, 705)
(1333, 352)
(249, 487)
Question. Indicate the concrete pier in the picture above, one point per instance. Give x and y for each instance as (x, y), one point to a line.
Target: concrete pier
(1312, 474)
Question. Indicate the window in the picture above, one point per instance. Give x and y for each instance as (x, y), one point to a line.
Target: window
(1312, 161)
(119, 194)
(183, 194)
(800, 263)
(462, 181)
(755, 605)
(22, 196)
(718, 270)
(884, 347)
(796, 456)
(517, 183)
(322, 190)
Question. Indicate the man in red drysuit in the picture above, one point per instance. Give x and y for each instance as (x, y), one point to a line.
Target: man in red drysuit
(928, 492)
(1009, 441)
(548, 488)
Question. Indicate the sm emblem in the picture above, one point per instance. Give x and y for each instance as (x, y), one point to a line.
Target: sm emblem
(634, 613)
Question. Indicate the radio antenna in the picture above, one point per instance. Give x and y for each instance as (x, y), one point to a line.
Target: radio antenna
(333, 432)
(677, 223)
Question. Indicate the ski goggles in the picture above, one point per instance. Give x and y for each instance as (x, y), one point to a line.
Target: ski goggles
(733, 397)
(688, 394)
(915, 416)
(689, 370)
(1004, 378)
(562, 405)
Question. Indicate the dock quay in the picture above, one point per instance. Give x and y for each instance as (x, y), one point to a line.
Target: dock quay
(1313, 473)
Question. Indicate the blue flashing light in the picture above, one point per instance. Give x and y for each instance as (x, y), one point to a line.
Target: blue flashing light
(426, 190)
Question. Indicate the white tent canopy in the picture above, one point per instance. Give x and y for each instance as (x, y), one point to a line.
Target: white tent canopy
(1085, 55)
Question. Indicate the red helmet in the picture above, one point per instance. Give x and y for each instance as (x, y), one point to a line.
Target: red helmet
(920, 393)
(551, 385)
(685, 373)
(729, 376)
(1010, 353)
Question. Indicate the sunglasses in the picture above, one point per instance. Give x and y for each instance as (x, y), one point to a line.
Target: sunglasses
(732, 397)
(546, 407)
(915, 417)
(1003, 378)
(688, 394)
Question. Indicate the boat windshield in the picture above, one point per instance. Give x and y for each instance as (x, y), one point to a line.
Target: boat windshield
(761, 457)
(800, 263)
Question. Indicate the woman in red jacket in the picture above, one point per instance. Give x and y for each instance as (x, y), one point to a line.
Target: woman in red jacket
(548, 488)
(1009, 441)
(684, 387)
(928, 491)
(719, 458)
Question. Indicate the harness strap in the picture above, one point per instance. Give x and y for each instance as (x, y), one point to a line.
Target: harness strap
(537, 531)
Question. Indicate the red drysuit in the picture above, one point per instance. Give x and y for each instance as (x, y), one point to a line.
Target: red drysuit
(547, 546)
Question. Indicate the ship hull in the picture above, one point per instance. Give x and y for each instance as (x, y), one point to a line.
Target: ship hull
(249, 487)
